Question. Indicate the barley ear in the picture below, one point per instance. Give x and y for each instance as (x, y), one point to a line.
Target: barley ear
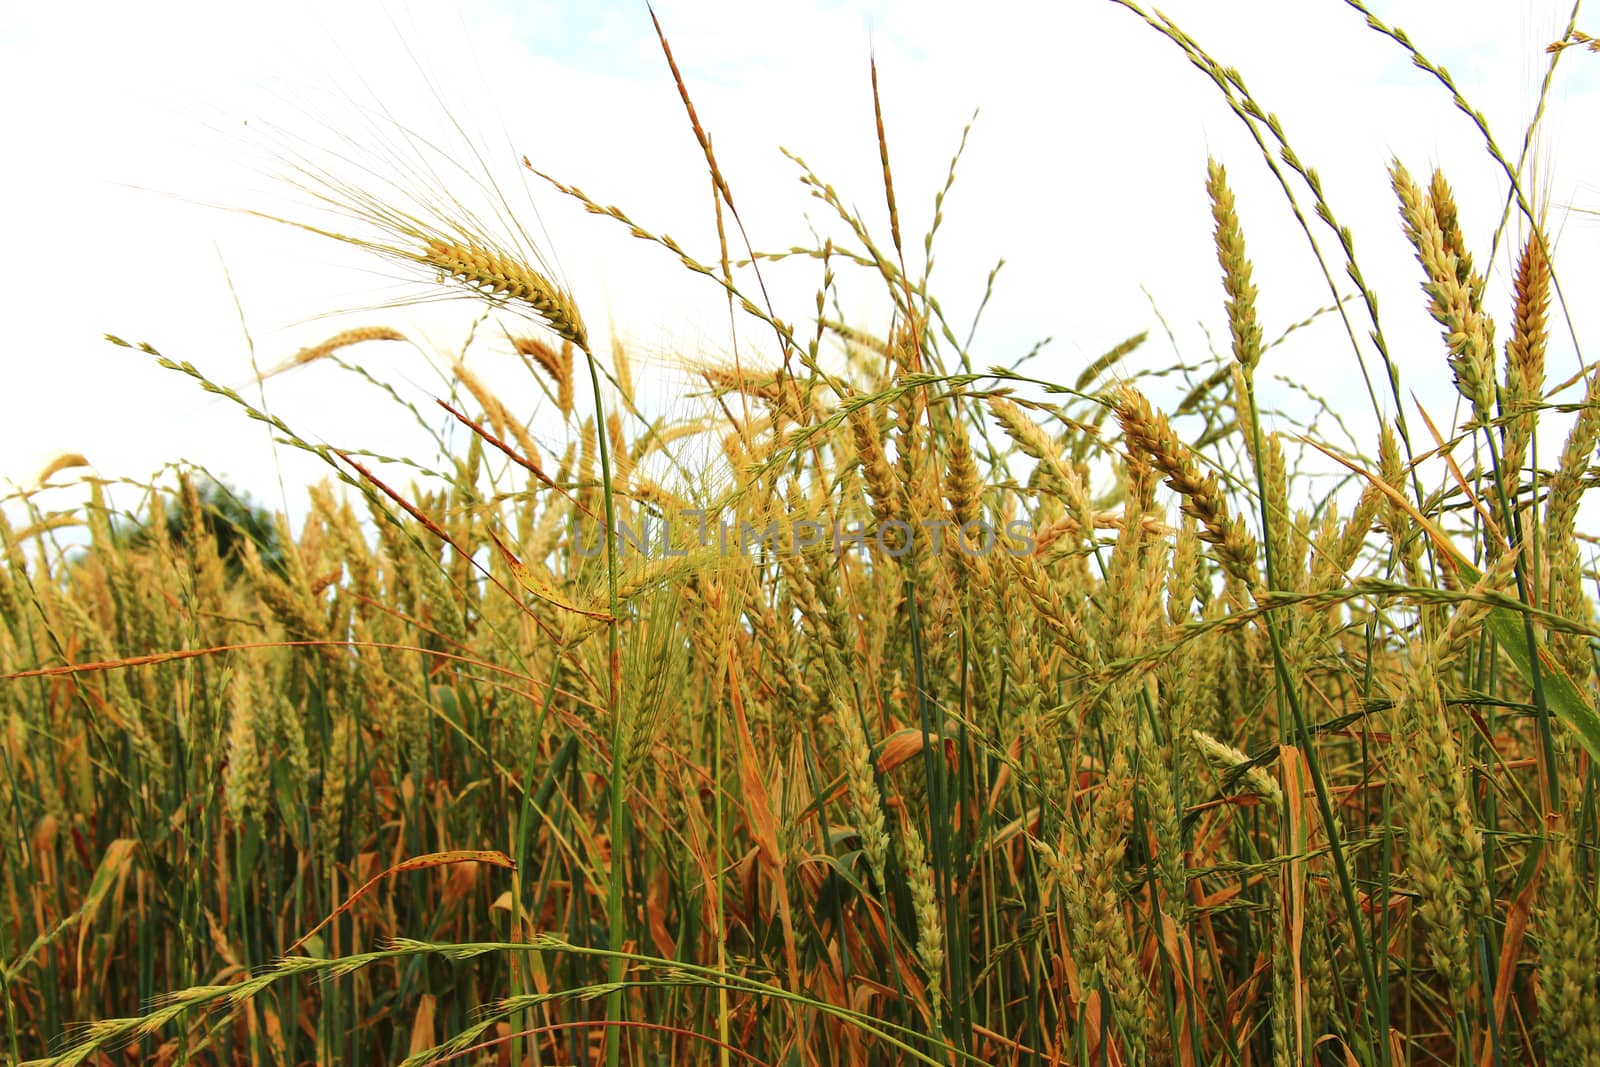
(930, 917)
(1568, 597)
(1229, 238)
(345, 339)
(622, 367)
(1525, 352)
(500, 276)
(557, 366)
(1454, 291)
(1149, 432)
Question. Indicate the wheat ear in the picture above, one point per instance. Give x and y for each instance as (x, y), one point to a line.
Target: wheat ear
(500, 276)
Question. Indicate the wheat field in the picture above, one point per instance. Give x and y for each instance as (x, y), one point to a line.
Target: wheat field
(893, 709)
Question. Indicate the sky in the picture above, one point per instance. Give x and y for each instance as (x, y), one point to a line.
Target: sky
(136, 134)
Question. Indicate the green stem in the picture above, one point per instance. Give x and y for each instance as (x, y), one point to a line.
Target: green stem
(1374, 1008)
(614, 883)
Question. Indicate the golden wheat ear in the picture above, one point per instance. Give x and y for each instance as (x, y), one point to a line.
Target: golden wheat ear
(343, 339)
(65, 461)
(498, 275)
(557, 366)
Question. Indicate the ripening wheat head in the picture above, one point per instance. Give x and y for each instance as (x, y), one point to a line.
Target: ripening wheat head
(410, 218)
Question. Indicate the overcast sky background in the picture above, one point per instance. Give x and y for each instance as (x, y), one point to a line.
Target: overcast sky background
(1085, 171)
